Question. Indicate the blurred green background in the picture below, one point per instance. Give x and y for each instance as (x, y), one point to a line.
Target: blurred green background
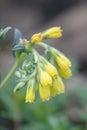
(66, 111)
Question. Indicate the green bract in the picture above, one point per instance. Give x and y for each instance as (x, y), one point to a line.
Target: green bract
(17, 47)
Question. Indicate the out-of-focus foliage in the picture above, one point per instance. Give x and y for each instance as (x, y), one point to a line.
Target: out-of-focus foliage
(64, 112)
(4, 31)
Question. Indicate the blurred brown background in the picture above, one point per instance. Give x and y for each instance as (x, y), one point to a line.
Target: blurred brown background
(32, 16)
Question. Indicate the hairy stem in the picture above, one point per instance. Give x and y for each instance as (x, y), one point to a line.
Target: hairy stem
(43, 45)
(17, 63)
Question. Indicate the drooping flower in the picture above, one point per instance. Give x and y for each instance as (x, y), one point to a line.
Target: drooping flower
(30, 95)
(66, 73)
(55, 32)
(44, 93)
(57, 87)
(52, 71)
(45, 78)
(63, 62)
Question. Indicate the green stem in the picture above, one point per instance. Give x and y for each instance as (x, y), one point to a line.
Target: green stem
(17, 63)
(43, 45)
(53, 50)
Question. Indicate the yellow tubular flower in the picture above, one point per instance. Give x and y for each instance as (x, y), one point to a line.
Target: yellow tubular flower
(55, 32)
(61, 85)
(58, 86)
(63, 62)
(44, 93)
(30, 95)
(45, 79)
(36, 38)
(52, 71)
(65, 73)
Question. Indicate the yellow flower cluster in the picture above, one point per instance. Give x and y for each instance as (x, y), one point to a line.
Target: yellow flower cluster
(52, 88)
(46, 73)
(49, 85)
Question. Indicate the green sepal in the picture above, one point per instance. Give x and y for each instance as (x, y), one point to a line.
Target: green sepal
(50, 57)
(4, 31)
(19, 86)
(17, 47)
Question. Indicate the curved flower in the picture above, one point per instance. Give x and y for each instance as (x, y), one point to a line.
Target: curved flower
(44, 93)
(67, 73)
(52, 71)
(45, 79)
(30, 95)
(57, 87)
(63, 62)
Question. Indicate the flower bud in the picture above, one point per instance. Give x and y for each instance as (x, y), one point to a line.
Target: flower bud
(36, 38)
(52, 71)
(30, 95)
(55, 32)
(45, 79)
(44, 93)
(57, 87)
(18, 74)
(65, 73)
(63, 62)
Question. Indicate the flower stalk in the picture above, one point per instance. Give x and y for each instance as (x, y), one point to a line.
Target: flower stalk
(39, 72)
(13, 69)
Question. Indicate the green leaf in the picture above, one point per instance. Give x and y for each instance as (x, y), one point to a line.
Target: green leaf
(58, 122)
(4, 31)
(9, 104)
(17, 47)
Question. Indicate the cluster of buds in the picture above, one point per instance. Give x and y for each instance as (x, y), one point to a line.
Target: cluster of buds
(43, 73)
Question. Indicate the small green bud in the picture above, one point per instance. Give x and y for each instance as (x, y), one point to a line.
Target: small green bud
(18, 74)
(19, 86)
